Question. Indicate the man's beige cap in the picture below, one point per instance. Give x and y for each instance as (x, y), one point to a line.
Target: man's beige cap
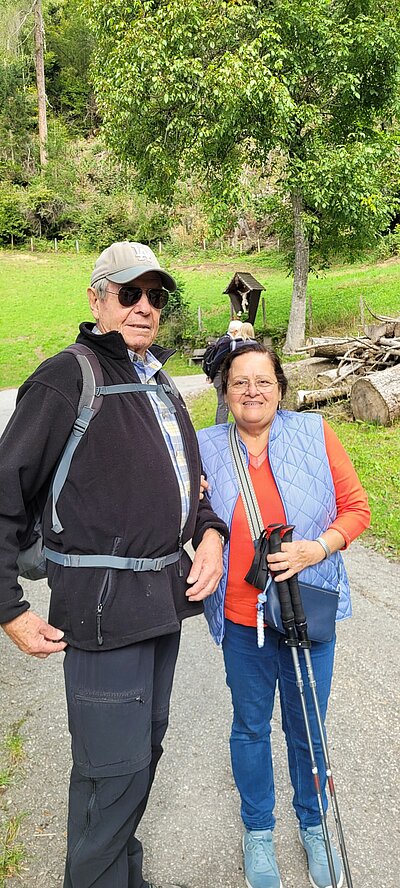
(126, 261)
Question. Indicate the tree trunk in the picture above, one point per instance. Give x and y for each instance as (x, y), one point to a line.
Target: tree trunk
(376, 397)
(312, 397)
(330, 347)
(297, 319)
(40, 82)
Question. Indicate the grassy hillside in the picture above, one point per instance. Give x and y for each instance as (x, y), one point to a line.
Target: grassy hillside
(43, 299)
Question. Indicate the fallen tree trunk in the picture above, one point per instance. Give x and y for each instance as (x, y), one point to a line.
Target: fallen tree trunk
(312, 397)
(328, 347)
(338, 373)
(376, 397)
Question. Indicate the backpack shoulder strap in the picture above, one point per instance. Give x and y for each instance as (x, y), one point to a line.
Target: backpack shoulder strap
(92, 376)
(89, 405)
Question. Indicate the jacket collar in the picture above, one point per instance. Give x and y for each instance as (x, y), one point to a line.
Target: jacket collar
(112, 344)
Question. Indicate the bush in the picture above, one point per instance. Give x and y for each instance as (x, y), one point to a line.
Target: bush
(117, 217)
(389, 244)
(175, 317)
(13, 221)
(49, 214)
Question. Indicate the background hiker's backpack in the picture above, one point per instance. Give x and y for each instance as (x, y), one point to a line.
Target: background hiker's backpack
(31, 560)
(216, 354)
(208, 357)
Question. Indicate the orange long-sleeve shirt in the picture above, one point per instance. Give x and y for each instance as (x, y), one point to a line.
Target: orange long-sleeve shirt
(353, 516)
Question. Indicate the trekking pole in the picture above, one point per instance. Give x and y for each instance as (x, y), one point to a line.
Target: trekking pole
(292, 640)
(302, 634)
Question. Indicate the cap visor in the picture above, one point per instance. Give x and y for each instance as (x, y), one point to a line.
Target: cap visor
(130, 274)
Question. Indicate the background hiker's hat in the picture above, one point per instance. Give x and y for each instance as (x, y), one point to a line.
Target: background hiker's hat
(126, 261)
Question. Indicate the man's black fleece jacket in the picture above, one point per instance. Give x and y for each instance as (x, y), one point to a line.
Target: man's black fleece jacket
(121, 497)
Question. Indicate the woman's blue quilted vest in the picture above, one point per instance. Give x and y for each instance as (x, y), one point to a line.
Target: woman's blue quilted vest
(300, 466)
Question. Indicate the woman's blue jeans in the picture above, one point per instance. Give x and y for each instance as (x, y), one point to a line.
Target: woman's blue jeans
(251, 675)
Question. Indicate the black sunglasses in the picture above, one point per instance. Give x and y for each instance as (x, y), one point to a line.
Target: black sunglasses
(128, 296)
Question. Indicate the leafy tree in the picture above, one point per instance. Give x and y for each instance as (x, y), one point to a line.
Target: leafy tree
(18, 107)
(69, 45)
(302, 88)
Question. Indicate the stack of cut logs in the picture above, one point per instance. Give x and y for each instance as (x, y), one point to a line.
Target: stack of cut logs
(367, 371)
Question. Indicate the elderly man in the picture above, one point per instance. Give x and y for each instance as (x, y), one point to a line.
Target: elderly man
(130, 499)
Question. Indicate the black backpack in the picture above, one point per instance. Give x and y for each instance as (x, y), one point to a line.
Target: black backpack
(215, 354)
(33, 554)
(208, 358)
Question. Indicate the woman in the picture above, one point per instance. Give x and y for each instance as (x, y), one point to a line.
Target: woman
(247, 332)
(302, 476)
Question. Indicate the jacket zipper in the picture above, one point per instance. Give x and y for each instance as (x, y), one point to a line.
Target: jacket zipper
(104, 592)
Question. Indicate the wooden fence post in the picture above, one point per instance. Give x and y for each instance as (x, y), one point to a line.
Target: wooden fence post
(264, 313)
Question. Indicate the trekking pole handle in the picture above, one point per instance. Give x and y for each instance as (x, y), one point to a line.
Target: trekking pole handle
(285, 601)
(294, 591)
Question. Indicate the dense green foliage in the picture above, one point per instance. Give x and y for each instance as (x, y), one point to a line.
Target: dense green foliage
(303, 90)
(209, 83)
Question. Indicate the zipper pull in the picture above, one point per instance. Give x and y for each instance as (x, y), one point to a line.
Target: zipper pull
(180, 549)
(98, 623)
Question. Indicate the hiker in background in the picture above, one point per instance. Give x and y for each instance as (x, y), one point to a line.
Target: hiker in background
(212, 361)
(247, 332)
(301, 475)
(130, 500)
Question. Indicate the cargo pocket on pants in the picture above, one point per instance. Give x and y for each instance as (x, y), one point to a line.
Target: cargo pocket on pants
(111, 732)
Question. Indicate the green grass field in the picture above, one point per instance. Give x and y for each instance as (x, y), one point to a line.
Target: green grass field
(43, 299)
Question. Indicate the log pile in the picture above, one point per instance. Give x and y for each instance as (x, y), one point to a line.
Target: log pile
(367, 371)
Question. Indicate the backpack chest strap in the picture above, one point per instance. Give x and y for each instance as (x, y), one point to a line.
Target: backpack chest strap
(114, 561)
(160, 389)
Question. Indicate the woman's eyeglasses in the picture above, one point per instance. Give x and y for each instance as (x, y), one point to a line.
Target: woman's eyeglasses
(262, 384)
(128, 296)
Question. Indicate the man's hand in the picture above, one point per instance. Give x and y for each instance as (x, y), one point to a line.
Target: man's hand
(206, 570)
(34, 636)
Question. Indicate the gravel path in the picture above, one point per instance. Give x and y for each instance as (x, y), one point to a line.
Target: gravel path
(191, 829)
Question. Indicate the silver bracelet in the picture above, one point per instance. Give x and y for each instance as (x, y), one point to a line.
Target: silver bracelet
(325, 546)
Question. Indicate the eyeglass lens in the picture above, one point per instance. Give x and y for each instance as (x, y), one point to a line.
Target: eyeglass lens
(241, 385)
(127, 296)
